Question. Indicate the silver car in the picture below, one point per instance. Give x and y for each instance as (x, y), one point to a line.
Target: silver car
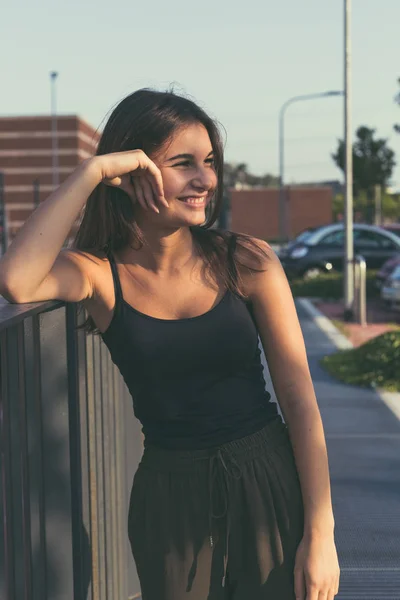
(390, 291)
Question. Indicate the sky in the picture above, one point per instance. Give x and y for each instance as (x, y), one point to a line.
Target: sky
(239, 60)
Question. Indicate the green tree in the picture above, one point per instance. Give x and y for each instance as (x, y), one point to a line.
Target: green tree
(373, 163)
(373, 160)
(361, 207)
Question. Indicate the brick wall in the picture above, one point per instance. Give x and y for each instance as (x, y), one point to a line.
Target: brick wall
(26, 156)
(255, 211)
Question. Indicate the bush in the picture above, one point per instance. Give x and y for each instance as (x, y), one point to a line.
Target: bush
(329, 286)
(375, 363)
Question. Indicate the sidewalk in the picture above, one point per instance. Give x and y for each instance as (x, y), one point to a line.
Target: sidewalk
(363, 439)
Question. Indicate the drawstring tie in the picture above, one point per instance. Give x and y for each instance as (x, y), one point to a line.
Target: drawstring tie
(222, 469)
(222, 477)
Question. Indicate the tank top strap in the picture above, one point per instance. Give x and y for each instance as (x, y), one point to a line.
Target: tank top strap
(116, 280)
(232, 243)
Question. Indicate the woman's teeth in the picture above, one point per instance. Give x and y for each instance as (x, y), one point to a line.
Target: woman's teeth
(193, 200)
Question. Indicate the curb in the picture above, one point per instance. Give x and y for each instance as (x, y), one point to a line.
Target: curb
(337, 338)
(391, 399)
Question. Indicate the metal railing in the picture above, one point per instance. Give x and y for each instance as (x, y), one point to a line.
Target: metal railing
(69, 447)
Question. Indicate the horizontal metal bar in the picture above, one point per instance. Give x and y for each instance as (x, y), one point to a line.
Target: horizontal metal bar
(12, 314)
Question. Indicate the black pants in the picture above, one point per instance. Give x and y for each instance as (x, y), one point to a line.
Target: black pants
(219, 524)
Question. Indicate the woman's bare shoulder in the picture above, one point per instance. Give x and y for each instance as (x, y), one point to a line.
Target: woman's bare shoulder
(251, 253)
(256, 262)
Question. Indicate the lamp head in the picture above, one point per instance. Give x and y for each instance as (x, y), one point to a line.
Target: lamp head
(334, 93)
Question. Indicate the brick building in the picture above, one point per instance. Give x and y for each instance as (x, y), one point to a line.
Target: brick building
(256, 211)
(26, 159)
(26, 164)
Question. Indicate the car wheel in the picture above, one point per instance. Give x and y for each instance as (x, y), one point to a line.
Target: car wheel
(313, 272)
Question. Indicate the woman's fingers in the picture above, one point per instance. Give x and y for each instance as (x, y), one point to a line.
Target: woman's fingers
(157, 182)
(138, 187)
(139, 195)
(147, 192)
(120, 168)
(124, 183)
(155, 190)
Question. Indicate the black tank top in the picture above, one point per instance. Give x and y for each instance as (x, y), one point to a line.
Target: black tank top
(195, 382)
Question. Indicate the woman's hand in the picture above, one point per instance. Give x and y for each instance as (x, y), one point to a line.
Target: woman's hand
(316, 572)
(135, 174)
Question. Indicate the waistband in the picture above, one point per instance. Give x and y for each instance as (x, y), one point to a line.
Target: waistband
(242, 449)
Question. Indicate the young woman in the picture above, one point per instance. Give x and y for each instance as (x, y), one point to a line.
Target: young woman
(229, 502)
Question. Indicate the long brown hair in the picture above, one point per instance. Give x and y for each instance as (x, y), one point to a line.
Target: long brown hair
(146, 120)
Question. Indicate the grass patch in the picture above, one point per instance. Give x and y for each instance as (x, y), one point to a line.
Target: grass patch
(329, 286)
(374, 364)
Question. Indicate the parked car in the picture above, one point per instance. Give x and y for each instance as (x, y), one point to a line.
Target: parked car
(386, 270)
(390, 292)
(323, 250)
(301, 237)
(393, 228)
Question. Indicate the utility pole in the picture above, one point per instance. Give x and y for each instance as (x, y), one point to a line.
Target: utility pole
(348, 212)
(53, 78)
(378, 205)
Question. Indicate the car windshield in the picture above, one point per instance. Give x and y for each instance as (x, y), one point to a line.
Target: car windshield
(395, 230)
(303, 236)
(396, 274)
(363, 236)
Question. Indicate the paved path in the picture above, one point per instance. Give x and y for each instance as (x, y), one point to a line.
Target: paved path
(363, 438)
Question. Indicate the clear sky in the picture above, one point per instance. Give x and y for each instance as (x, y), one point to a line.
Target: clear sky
(239, 60)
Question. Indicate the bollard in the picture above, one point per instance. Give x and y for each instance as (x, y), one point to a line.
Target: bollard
(360, 289)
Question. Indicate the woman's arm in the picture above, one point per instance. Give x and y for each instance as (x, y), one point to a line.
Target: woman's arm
(33, 268)
(316, 570)
(25, 268)
(284, 348)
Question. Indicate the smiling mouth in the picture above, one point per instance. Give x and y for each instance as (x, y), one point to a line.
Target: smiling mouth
(194, 201)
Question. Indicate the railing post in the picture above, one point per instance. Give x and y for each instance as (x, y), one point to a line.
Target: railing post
(360, 289)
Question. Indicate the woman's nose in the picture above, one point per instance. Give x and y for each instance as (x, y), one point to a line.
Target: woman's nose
(205, 178)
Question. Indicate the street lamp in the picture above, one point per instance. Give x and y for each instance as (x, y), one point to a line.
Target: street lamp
(348, 211)
(282, 199)
(54, 145)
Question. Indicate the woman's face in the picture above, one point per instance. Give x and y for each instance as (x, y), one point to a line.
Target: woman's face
(187, 168)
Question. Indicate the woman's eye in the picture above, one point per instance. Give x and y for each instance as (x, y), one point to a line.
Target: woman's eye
(182, 164)
(187, 163)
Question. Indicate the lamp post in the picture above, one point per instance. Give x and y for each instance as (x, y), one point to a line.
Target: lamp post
(348, 210)
(282, 198)
(54, 145)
